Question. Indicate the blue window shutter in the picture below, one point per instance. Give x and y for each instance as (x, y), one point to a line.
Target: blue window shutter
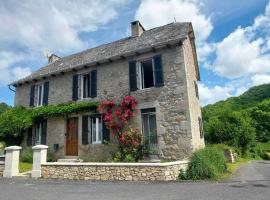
(158, 71)
(32, 96)
(132, 76)
(93, 80)
(84, 129)
(44, 132)
(75, 87)
(46, 93)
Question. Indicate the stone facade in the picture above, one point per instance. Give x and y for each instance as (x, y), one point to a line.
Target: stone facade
(176, 104)
(114, 171)
(2, 168)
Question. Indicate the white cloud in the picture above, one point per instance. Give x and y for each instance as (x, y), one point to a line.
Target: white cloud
(8, 61)
(259, 79)
(27, 27)
(154, 13)
(209, 95)
(20, 72)
(244, 52)
(53, 24)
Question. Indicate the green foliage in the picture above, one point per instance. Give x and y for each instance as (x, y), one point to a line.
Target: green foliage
(61, 110)
(15, 120)
(130, 146)
(261, 118)
(232, 128)
(262, 150)
(4, 107)
(12, 123)
(207, 163)
(26, 156)
(234, 120)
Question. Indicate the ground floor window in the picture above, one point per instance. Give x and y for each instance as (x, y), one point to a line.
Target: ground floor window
(96, 123)
(40, 132)
(149, 126)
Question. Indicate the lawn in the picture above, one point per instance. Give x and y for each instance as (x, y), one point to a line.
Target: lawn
(24, 167)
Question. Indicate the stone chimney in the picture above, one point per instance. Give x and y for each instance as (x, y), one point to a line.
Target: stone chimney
(52, 58)
(136, 29)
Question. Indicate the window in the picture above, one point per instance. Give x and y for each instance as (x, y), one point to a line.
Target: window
(201, 127)
(85, 89)
(147, 74)
(41, 132)
(149, 126)
(150, 73)
(96, 123)
(38, 133)
(40, 93)
(196, 89)
(88, 85)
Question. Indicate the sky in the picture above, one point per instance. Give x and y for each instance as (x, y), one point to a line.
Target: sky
(232, 37)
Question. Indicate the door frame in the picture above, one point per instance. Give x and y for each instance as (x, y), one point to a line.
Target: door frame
(66, 135)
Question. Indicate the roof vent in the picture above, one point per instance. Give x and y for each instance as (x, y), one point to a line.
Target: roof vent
(136, 29)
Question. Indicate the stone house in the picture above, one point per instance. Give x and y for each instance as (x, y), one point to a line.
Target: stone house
(158, 67)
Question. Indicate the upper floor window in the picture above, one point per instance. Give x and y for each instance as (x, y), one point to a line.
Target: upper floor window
(150, 73)
(39, 94)
(147, 74)
(86, 84)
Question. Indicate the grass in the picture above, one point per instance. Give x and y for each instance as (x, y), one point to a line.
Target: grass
(24, 167)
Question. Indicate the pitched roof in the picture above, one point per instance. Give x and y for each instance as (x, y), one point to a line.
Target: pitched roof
(167, 34)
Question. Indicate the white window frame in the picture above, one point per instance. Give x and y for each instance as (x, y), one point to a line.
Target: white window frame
(148, 121)
(82, 85)
(98, 138)
(38, 133)
(142, 75)
(40, 95)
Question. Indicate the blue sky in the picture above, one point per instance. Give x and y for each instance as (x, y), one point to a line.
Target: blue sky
(232, 37)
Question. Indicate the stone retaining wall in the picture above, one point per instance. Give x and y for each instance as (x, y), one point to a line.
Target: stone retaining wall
(2, 168)
(114, 171)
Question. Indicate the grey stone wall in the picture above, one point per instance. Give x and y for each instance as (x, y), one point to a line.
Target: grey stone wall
(194, 103)
(176, 125)
(114, 171)
(2, 168)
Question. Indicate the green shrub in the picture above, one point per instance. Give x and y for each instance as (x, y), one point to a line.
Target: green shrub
(232, 128)
(26, 156)
(207, 163)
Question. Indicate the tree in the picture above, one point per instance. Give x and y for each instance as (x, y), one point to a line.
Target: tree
(232, 128)
(4, 107)
(261, 118)
(12, 123)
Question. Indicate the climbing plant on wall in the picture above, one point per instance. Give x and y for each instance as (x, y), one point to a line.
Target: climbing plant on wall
(117, 118)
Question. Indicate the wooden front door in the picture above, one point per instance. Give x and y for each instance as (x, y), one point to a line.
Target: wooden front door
(72, 137)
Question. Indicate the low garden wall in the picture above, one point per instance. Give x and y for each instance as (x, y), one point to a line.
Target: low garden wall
(114, 171)
(2, 167)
